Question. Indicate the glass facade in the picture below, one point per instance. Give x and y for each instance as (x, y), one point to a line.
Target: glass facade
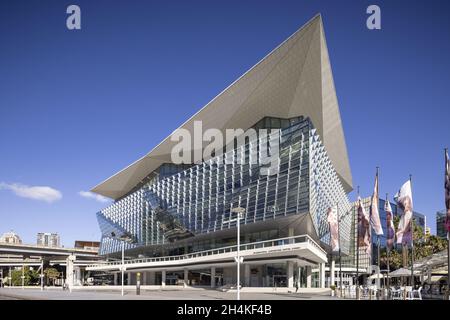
(181, 202)
(441, 231)
(364, 260)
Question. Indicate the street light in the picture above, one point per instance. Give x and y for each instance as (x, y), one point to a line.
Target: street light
(240, 213)
(23, 276)
(125, 238)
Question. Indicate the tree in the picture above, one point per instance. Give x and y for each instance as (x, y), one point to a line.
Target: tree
(51, 274)
(424, 246)
(31, 277)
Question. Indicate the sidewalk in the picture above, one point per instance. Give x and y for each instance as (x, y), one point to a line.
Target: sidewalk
(166, 294)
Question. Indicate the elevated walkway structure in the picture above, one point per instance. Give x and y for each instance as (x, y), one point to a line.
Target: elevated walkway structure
(74, 260)
(301, 249)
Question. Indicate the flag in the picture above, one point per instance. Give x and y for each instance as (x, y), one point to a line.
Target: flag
(405, 202)
(333, 223)
(447, 190)
(390, 229)
(364, 234)
(374, 213)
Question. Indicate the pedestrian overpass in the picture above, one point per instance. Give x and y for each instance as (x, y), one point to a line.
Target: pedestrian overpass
(301, 251)
(20, 255)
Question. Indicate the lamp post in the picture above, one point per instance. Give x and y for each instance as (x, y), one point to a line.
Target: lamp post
(240, 212)
(122, 268)
(23, 277)
(124, 238)
(42, 275)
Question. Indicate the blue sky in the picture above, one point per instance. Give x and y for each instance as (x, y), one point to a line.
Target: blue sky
(78, 106)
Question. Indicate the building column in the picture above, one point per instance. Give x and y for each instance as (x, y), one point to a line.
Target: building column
(332, 271)
(163, 278)
(308, 276)
(246, 275)
(128, 278)
(116, 282)
(291, 234)
(69, 271)
(186, 278)
(290, 274)
(429, 275)
(322, 275)
(77, 277)
(144, 278)
(151, 275)
(213, 277)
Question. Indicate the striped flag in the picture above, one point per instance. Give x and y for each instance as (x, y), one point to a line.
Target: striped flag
(374, 212)
(364, 234)
(333, 223)
(405, 202)
(390, 229)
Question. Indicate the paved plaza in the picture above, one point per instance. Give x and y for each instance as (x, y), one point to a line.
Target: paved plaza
(166, 294)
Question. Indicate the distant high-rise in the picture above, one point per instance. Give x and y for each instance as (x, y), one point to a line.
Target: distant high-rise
(87, 245)
(10, 237)
(48, 239)
(440, 224)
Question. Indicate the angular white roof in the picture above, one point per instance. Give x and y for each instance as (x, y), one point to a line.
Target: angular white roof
(294, 79)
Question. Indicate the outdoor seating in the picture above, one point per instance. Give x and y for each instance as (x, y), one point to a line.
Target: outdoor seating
(417, 294)
(408, 293)
(352, 292)
(373, 292)
(364, 292)
(396, 294)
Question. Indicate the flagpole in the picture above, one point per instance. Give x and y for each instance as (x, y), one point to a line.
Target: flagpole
(357, 249)
(378, 236)
(412, 236)
(387, 248)
(339, 240)
(448, 231)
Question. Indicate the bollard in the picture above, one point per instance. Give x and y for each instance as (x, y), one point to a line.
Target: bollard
(138, 284)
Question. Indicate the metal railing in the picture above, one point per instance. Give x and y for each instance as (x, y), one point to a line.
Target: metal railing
(246, 246)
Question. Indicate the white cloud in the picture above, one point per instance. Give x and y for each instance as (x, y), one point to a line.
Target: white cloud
(90, 195)
(41, 193)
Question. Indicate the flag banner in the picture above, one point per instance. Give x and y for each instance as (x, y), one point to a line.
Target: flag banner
(364, 239)
(374, 212)
(405, 202)
(333, 223)
(390, 229)
(447, 191)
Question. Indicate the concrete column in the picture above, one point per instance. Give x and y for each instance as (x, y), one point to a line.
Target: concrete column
(291, 234)
(322, 275)
(128, 278)
(144, 278)
(69, 271)
(163, 278)
(308, 276)
(186, 278)
(151, 275)
(213, 277)
(332, 271)
(116, 280)
(429, 275)
(77, 277)
(246, 275)
(290, 274)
